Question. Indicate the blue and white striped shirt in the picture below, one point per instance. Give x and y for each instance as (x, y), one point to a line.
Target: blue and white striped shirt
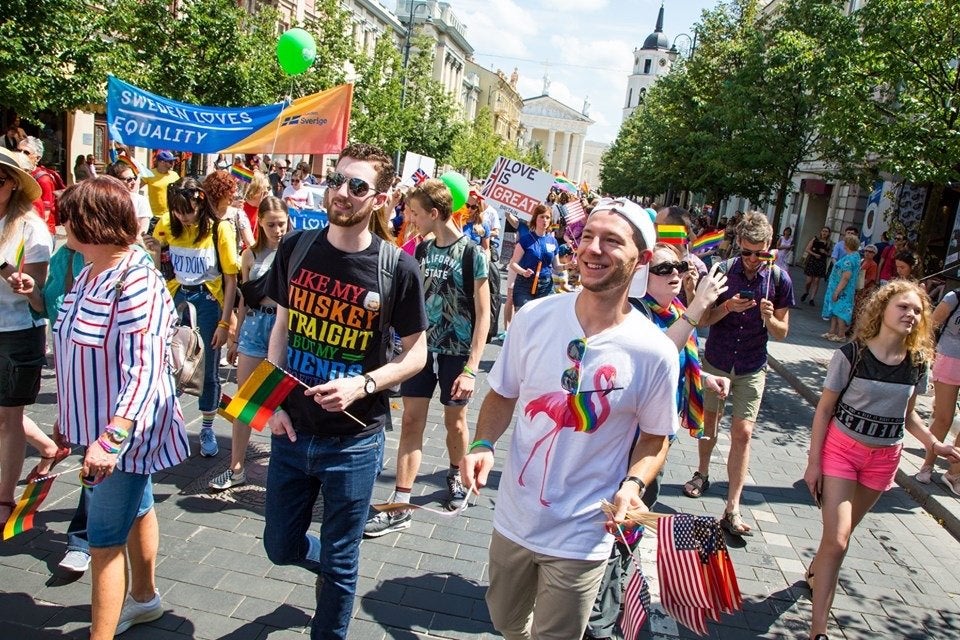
(112, 360)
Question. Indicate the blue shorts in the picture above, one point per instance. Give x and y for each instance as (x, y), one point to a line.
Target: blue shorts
(442, 369)
(255, 333)
(114, 505)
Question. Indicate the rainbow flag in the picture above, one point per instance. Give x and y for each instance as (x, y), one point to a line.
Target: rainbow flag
(260, 396)
(707, 241)
(22, 517)
(130, 163)
(241, 173)
(671, 233)
(21, 251)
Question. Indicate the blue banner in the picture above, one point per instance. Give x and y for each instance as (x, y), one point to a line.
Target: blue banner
(308, 218)
(142, 119)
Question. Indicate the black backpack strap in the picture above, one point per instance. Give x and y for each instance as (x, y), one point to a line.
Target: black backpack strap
(469, 255)
(387, 260)
(305, 240)
(855, 359)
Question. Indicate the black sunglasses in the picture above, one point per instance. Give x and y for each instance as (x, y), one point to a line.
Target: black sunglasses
(762, 253)
(358, 187)
(3, 180)
(130, 180)
(666, 268)
(188, 194)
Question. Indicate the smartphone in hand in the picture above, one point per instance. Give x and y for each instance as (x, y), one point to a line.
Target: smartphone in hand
(746, 294)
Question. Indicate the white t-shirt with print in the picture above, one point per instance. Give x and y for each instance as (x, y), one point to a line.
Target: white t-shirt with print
(628, 375)
(38, 245)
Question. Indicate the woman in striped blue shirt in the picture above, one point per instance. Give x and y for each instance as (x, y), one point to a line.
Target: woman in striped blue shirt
(116, 397)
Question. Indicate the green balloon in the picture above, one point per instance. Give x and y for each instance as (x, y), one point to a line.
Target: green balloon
(296, 51)
(459, 188)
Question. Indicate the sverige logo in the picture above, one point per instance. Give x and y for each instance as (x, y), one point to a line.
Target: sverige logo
(312, 118)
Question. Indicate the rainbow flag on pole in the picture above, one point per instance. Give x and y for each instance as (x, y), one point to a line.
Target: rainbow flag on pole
(22, 517)
(707, 241)
(260, 396)
(241, 173)
(671, 233)
(21, 250)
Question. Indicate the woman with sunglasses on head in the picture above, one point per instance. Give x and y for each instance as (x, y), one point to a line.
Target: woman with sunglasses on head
(25, 247)
(534, 259)
(868, 401)
(125, 174)
(203, 257)
(113, 327)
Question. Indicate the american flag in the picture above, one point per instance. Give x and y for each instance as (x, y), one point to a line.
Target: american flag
(574, 212)
(636, 603)
(684, 591)
(419, 176)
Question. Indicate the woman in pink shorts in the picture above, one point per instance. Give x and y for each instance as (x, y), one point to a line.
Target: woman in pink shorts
(868, 401)
(946, 384)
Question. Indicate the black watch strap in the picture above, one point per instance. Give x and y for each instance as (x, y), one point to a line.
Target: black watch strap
(640, 483)
(3, 265)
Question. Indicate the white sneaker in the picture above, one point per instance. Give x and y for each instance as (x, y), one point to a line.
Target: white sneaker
(952, 483)
(75, 562)
(134, 612)
(924, 475)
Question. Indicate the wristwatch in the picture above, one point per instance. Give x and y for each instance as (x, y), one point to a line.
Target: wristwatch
(4, 265)
(370, 385)
(640, 483)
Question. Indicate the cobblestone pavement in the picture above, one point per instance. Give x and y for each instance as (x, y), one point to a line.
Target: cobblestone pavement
(899, 580)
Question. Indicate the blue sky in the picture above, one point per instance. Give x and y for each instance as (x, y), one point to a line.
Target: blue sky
(588, 45)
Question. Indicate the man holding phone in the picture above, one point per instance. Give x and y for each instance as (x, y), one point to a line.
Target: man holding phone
(755, 307)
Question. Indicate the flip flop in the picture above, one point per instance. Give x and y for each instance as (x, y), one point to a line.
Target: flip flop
(733, 524)
(57, 458)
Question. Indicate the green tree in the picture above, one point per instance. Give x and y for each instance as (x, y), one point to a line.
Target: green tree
(376, 92)
(429, 115)
(478, 146)
(52, 58)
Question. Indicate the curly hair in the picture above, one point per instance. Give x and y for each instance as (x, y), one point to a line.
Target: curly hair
(375, 155)
(920, 340)
(755, 228)
(219, 185)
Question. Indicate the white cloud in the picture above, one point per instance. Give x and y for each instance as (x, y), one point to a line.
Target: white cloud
(579, 6)
(500, 26)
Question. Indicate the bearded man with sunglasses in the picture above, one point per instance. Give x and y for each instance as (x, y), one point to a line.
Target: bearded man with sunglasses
(755, 306)
(328, 438)
(595, 382)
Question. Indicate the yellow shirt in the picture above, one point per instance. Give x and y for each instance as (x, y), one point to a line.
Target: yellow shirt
(195, 263)
(157, 190)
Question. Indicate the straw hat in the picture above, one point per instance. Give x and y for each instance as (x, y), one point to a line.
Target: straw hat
(25, 181)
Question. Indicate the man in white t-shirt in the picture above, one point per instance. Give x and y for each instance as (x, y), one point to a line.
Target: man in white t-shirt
(595, 382)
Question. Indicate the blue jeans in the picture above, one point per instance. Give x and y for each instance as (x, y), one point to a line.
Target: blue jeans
(209, 312)
(77, 531)
(344, 470)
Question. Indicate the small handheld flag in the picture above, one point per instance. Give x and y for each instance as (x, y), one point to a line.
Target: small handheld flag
(130, 163)
(419, 176)
(241, 173)
(21, 249)
(671, 233)
(707, 241)
(21, 519)
(260, 395)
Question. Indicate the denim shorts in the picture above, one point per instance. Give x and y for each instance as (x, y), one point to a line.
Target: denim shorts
(255, 334)
(114, 505)
(440, 369)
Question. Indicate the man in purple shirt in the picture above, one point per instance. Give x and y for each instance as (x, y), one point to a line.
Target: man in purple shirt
(756, 305)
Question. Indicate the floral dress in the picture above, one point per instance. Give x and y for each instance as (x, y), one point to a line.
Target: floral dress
(842, 307)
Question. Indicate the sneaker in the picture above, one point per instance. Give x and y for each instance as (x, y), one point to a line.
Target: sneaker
(228, 479)
(134, 612)
(456, 492)
(952, 483)
(208, 443)
(923, 476)
(75, 561)
(384, 523)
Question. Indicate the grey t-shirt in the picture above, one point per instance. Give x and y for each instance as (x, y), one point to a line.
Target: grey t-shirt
(949, 343)
(873, 409)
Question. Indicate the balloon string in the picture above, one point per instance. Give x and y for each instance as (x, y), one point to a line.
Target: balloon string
(276, 132)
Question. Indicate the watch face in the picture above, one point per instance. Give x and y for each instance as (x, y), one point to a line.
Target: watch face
(370, 386)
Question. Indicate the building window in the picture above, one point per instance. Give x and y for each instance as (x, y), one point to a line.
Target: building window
(629, 96)
(647, 64)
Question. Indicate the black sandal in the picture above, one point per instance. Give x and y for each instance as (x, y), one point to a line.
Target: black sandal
(696, 486)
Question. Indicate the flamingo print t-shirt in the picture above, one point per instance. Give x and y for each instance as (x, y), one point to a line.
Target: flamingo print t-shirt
(568, 451)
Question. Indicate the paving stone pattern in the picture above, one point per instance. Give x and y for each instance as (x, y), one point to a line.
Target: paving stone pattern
(899, 579)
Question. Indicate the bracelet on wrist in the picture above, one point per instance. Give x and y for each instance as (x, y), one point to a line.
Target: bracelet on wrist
(467, 371)
(693, 323)
(116, 434)
(223, 325)
(106, 446)
(640, 483)
(481, 443)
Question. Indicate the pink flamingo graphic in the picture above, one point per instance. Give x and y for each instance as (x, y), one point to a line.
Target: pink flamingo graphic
(570, 411)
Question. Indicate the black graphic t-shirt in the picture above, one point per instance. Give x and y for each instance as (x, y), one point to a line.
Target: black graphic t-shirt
(334, 327)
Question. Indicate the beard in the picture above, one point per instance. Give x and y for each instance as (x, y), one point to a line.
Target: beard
(349, 216)
(620, 276)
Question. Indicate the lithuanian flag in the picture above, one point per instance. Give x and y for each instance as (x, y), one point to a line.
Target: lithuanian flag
(241, 173)
(671, 233)
(259, 397)
(707, 241)
(22, 517)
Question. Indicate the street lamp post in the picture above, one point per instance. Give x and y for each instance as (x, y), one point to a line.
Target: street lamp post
(690, 49)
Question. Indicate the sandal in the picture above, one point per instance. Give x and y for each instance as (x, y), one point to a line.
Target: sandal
(733, 524)
(57, 458)
(696, 486)
(807, 577)
(827, 335)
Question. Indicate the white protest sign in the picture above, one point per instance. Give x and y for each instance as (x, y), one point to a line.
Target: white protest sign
(516, 188)
(412, 162)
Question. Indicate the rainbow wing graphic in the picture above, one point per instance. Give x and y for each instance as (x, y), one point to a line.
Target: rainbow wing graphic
(582, 415)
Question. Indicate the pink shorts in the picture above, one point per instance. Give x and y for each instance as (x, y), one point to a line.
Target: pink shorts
(946, 370)
(844, 457)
